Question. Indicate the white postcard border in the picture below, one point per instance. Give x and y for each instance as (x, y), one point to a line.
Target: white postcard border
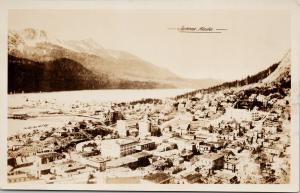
(292, 5)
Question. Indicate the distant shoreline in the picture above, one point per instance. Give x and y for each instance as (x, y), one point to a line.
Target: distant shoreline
(105, 89)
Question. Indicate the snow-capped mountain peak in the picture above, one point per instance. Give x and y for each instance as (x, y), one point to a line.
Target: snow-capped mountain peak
(85, 45)
(18, 40)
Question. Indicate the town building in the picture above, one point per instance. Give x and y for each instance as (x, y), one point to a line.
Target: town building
(125, 126)
(43, 163)
(158, 178)
(67, 169)
(118, 147)
(212, 161)
(145, 145)
(144, 128)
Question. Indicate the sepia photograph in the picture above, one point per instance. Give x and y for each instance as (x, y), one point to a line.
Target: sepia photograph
(149, 97)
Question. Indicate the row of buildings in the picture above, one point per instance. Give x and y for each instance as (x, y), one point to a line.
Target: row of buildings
(208, 138)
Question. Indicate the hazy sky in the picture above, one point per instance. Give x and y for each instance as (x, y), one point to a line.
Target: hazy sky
(254, 39)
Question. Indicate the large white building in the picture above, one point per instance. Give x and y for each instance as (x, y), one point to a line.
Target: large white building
(115, 148)
(122, 128)
(144, 128)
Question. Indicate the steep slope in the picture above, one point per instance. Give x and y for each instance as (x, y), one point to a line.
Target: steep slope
(274, 78)
(62, 74)
(283, 71)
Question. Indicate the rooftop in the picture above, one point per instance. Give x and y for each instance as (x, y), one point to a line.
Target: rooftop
(166, 154)
(121, 161)
(194, 178)
(126, 141)
(141, 155)
(211, 156)
(69, 165)
(145, 141)
(97, 158)
(158, 177)
(225, 175)
(50, 154)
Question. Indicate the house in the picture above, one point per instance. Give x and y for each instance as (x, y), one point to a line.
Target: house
(21, 161)
(91, 159)
(216, 144)
(186, 154)
(239, 114)
(158, 178)
(205, 148)
(246, 124)
(270, 129)
(86, 146)
(19, 176)
(182, 128)
(228, 154)
(95, 162)
(67, 169)
(194, 178)
(262, 98)
(266, 143)
(176, 160)
(113, 116)
(255, 115)
(273, 151)
(166, 147)
(183, 143)
(273, 116)
(203, 131)
(224, 177)
(212, 161)
(14, 145)
(231, 164)
(22, 116)
(43, 162)
(181, 106)
(122, 161)
(270, 123)
(160, 164)
(29, 150)
(118, 147)
(145, 145)
(142, 159)
(200, 114)
(50, 157)
(197, 125)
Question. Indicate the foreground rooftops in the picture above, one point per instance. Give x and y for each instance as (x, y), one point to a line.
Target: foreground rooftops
(48, 155)
(126, 141)
(211, 156)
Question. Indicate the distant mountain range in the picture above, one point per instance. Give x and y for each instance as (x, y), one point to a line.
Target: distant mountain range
(38, 62)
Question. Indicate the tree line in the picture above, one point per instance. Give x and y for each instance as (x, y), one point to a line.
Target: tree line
(237, 83)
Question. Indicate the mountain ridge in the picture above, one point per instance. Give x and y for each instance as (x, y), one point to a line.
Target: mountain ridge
(278, 73)
(36, 45)
(63, 74)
